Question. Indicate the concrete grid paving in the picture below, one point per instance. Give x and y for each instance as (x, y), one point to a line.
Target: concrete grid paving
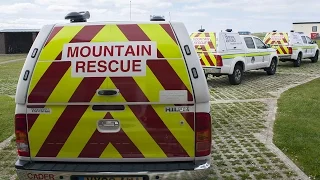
(240, 127)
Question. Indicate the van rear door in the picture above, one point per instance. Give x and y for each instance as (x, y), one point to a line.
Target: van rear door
(111, 92)
(278, 41)
(205, 44)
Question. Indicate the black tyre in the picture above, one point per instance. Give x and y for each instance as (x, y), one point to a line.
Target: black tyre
(236, 77)
(297, 63)
(271, 70)
(315, 58)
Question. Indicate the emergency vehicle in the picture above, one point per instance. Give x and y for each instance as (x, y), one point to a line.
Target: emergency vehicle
(232, 54)
(293, 46)
(111, 100)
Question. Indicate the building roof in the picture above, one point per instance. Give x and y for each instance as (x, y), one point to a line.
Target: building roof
(19, 30)
(306, 23)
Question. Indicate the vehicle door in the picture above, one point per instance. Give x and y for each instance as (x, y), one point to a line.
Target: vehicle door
(305, 47)
(311, 47)
(262, 56)
(251, 61)
(112, 91)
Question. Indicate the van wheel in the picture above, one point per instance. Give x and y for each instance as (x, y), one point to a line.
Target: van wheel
(315, 58)
(236, 77)
(297, 63)
(273, 67)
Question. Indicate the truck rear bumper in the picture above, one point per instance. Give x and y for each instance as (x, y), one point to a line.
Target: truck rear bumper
(58, 170)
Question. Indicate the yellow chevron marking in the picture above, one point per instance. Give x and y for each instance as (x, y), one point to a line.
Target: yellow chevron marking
(42, 127)
(148, 81)
(39, 70)
(204, 59)
(110, 152)
(81, 134)
(137, 133)
(183, 134)
(180, 68)
(166, 45)
(65, 88)
(51, 51)
(54, 47)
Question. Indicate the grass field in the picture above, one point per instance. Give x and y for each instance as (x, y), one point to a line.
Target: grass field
(6, 117)
(4, 58)
(297, 128)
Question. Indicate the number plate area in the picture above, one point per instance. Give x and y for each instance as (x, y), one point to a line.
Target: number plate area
(110, 178)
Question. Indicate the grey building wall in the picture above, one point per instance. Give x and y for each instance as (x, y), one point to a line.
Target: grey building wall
(2, 44)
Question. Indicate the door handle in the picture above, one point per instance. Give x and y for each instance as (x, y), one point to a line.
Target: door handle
(107, 92)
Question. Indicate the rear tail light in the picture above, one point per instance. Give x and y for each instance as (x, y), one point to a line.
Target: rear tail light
(22, 135)
(203, 134)
(290, 50)
(219, 60)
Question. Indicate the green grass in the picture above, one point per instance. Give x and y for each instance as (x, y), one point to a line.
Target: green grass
(297, 127)
(9, 75)
(8, 57)
(6, 117)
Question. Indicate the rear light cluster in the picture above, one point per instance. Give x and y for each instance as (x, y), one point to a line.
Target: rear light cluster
(219, 60)
(290, 50)
(203, 134)
(22, 135)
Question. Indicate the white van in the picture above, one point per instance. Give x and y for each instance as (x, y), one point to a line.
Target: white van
(111, 100)
(293, 46)
(229, 53)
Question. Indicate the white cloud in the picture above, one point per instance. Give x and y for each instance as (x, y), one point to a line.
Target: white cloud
(215, 15)
(17, 8)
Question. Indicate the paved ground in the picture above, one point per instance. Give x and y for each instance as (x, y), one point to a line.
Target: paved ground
(243, 118)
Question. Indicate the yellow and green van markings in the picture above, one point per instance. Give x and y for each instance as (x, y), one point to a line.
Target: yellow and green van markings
(231, 56)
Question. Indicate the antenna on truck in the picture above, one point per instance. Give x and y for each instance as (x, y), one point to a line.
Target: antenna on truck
(81, 16)
(201, 29)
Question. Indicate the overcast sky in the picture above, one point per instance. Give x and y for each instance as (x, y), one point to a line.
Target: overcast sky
(213, 15)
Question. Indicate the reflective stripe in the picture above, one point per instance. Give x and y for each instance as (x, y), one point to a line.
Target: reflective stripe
(80, 134)
(42, 127)
(110, 152)
(184, 135)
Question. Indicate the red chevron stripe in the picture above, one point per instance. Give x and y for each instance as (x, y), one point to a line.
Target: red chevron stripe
(210, 43)
(268, 40)
(53, 33)
(55, 72)
(129, 89)
(203, 48)
(283, 50)
(158, 130)
(189, 117)
(206, 54)
(198, 34)
(278, 52)
(169, 30)
(61, 131)
(48, 82)
(170, 80)
(202, 63)
(99, 141)
(31, 118)
(69, 118)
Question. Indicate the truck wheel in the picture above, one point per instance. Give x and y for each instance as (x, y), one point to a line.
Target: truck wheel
(273, 67)
(297, 63)
(315, 58)
(236, 77)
